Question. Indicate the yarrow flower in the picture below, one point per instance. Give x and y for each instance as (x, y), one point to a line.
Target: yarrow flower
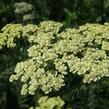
(49, 103)
(53, 54)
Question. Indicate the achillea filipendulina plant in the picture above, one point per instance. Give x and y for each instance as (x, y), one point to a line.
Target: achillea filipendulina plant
(49, 103)
(54, 54)
(24, 12)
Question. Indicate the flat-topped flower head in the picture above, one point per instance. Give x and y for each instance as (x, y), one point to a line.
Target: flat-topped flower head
(52, 55)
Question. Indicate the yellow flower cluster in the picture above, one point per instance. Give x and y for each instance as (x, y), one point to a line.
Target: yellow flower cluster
(49, 103)
(39, 70)
(53, 55)
(85, 50)
(9, 34)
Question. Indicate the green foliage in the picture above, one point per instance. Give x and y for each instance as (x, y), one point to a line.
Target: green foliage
(70, 12)
(71, 17)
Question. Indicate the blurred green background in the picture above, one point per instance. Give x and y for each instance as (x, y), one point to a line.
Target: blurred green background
(71, 13)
